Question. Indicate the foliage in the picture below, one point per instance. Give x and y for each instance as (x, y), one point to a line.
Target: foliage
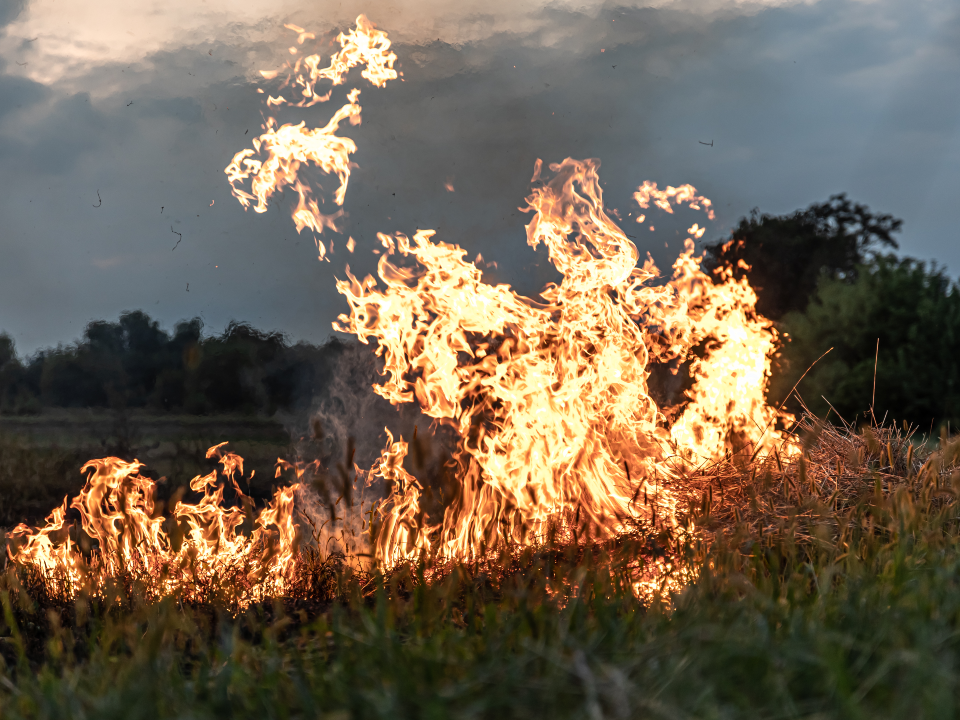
(860, 619)
(133, 363)
(822, 275)
(784, 257)
(914, 313)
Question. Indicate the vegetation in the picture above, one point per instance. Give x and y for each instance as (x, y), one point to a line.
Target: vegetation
(828, 588)
(785, 257)
(897, 323)
(33, 481)
(890, 325)
(133, 363)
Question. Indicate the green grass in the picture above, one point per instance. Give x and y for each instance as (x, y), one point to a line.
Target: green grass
(882, 642)
(847, 605)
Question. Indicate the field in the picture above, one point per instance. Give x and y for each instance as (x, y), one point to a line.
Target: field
(41, 456)
(824, 587)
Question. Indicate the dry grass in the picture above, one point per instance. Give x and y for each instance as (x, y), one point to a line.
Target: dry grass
(841, 474)
(826, 585)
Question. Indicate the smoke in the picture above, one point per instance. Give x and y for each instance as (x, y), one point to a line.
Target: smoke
(339, 440)
(74, 36)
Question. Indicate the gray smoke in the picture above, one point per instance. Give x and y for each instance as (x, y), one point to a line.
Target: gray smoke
(344, 431)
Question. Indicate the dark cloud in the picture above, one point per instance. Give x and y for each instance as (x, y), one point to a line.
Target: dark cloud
(10, 10)
(68, 129)
(18, 94)
(799, 102)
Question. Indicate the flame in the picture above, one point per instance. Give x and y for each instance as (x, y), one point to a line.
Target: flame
(676, 195)
(287, 148)
(248, 556)
(550, 396)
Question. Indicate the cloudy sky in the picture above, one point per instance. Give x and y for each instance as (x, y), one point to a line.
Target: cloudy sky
(117, 119)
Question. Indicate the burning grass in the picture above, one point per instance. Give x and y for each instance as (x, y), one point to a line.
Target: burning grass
(826, 585)
(598, 555)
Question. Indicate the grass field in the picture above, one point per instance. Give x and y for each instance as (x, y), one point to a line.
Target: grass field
(41, 456)
(823, 588)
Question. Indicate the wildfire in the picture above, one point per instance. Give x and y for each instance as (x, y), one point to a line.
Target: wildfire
(549, 396)
(122, 533)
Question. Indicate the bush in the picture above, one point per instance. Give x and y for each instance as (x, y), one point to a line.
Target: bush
(912, 310)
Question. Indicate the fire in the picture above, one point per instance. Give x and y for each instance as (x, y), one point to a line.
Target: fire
(550, 396)
(122, 533)
(287, 148)
(663, 198)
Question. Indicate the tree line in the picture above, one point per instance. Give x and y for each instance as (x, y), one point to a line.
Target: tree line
(133, 363)
(827, 276)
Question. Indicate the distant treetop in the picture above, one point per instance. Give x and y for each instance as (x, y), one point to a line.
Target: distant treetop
(787, 254)
(133, 363)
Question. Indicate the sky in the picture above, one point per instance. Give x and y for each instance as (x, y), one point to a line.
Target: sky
(117, 120)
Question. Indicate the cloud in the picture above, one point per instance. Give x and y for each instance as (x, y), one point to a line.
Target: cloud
(74, 36)
(795, 97)
(19, 93)
(57, 136)
(10, 10)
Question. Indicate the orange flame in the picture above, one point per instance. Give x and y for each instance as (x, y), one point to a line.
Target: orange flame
(288, 147)
(676, 195)
(202, 542)
(550, 397)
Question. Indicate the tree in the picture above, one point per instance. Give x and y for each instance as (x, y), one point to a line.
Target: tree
(912, 310)
(145, 353)
(784, 257)
(13, 395)
(176, 383)
(231, 367)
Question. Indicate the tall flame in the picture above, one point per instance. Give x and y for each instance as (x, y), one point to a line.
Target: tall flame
(550, 397)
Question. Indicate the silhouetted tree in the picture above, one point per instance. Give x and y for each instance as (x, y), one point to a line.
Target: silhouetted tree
(144, 355)
(12, 397)
(785, 256)
(133, 363)
(231, 366)
(176, 383)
